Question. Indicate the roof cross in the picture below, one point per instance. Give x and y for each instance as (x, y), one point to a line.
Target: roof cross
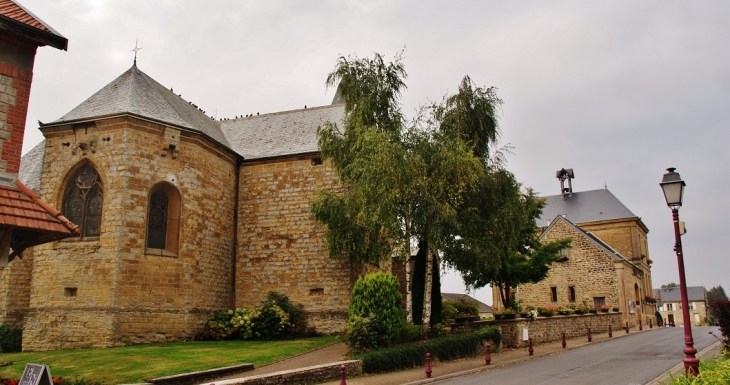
(135, 51)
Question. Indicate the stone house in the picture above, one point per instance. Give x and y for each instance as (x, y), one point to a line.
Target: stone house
(608, 263)
(179, 215)
(669, 305)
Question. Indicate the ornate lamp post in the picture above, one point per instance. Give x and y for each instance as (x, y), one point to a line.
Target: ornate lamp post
(673, 187)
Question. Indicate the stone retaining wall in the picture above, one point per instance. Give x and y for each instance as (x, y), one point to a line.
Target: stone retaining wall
(547, 329)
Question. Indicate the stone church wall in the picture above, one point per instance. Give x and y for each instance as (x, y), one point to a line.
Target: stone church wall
(281, 248)
(589, 269)
(122, 292)
(15, 289)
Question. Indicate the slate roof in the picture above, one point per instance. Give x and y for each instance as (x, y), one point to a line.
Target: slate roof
(585, 206)
(33, 221)
(592, 237)
(281, 133)
(31, 165)
(134, 92)
(11, 10)
(694, 293)
(483, 307)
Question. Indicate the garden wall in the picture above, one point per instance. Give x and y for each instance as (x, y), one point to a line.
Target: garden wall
(547, 329)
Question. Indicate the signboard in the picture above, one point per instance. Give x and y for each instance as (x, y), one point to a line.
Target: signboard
(35, 374)
(632, 307)
(525, 335)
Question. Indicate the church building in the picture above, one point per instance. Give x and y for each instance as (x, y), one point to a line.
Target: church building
(179, 215)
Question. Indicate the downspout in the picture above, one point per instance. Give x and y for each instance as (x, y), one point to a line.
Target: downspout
(239, 162)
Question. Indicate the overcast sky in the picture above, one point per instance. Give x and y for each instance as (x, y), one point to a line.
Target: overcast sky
(616, 90)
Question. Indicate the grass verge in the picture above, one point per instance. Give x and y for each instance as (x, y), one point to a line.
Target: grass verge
(714, 370)
(132, 364)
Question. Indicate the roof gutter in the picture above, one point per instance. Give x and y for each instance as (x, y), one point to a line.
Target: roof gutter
(41, 37)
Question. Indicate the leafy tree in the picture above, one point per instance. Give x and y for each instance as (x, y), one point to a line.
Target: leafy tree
(670, 285)
(403, 183)
(713, 294)
(509, 252)
(716, 292)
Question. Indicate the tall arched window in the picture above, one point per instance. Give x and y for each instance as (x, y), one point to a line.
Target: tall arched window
(163, 220)
(83, 200)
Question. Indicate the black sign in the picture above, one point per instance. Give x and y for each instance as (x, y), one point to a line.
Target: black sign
(35, 374)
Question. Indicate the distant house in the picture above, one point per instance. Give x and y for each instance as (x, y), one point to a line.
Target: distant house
(485, 311)
(608, 263)
(669, 305)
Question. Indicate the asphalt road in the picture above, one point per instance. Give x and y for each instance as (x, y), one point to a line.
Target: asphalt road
(634, 360)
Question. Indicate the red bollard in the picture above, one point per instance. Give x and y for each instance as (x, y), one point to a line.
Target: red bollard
(651, 324)
(627, 328)
(531, 350)
(488, 356)
(610, 333)
(342, 375)
(563, 340)
(589, 335)
(428, 365)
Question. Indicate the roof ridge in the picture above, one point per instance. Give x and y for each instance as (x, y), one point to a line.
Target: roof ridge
(282, 112)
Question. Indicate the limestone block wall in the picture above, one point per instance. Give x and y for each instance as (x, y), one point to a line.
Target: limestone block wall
(281, 248)
(15, 289)
(589, 269)
(548, 329)
(624, 236)
(123, 292)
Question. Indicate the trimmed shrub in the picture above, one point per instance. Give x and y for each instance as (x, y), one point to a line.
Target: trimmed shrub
(375, 311)
(721, 309)
(452, 347)
(11, 338)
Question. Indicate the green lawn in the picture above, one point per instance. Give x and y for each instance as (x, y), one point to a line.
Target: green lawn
(132, 364)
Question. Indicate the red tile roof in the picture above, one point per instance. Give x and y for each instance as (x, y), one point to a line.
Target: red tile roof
(22, 209)
(12, 10)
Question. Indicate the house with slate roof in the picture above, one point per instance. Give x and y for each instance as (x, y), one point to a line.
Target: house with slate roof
(669, 305)
(179, 215)
(25, 219)
(608, 262)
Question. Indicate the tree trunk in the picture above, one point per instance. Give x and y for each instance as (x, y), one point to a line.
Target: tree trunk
(409, 290)
(427, 291)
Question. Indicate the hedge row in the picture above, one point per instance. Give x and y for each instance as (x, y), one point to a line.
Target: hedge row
(443, 349)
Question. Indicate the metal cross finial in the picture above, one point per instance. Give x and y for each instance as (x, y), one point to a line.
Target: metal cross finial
(135, 50)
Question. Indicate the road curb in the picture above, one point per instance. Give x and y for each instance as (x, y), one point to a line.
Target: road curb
(679, 368)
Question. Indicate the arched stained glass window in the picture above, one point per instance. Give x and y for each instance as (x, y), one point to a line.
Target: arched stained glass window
(83, 201)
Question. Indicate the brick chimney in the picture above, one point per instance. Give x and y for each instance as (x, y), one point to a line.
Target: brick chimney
(21, 33)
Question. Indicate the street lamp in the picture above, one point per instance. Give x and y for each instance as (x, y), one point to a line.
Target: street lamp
(673, 187)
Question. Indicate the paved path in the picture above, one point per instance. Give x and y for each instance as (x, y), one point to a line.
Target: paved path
(325, 355)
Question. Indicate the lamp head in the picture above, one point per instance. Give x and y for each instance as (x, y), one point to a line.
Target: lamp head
(673, 187)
